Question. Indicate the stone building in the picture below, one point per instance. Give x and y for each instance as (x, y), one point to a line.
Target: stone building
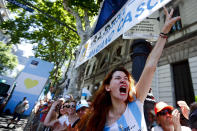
(176, 74)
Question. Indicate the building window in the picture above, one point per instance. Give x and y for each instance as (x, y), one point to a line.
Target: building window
(178, 25)
(183, 82)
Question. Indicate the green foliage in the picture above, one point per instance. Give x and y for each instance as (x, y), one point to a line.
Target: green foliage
(38, 27)
(54, 40)
(7, 60)
(91, 6)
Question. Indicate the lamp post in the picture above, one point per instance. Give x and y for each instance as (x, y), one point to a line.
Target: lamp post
(140, 51)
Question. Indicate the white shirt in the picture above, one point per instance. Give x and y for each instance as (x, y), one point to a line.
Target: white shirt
(131, 120)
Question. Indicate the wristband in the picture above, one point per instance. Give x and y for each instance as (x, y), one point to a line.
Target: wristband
(163, 35)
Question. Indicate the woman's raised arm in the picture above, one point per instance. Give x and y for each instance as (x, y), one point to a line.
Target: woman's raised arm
(144, 83)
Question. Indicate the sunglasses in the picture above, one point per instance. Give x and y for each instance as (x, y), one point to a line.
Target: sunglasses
(164, 112)
(69, 106)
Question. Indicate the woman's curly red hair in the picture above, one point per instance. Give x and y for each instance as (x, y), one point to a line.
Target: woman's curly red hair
(95, 119)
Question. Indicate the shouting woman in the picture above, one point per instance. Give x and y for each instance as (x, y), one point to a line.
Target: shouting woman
(118, 104)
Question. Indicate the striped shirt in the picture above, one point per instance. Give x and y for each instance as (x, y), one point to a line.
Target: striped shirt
(131, 120)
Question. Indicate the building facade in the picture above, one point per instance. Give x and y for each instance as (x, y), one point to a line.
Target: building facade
(176, 74)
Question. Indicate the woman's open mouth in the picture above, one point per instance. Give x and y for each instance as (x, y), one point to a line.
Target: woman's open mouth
(123, 90)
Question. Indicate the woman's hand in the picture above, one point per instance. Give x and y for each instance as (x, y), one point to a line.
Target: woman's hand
(169, 22)
(54, 105)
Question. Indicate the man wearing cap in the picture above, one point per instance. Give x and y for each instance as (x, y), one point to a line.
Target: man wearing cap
(167, 118)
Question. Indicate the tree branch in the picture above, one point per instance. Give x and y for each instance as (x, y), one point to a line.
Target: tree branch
(76, 15)
(87, 21)
(88, 28)
(65, 74)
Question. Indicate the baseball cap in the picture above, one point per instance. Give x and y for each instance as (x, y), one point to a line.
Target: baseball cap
(162, 105)
(81, 103)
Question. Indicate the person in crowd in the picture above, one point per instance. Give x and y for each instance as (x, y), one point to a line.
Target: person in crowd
(168, 118)
(118, 103)
(43, 113)
(193, 116)
(149, 109)
(20, 108)
(189, 113)
(67, 119)
(36, 115)
(56, 111)
(72, 115)
(81, 108)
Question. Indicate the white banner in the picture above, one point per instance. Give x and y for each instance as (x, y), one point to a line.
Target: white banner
(147, 29)
(133, 12)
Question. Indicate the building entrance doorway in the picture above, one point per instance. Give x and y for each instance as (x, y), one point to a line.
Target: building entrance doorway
(182, 82)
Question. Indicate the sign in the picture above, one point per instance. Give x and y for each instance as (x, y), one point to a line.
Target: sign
(21, 5)
(133, 12)
(30, 83)
(147, 29)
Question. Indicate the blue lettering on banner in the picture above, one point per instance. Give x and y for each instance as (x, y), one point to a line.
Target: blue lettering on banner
(149, 7)
(111, 35)
(102, 45)
(120, 27)
(140, 9)
(128, 18)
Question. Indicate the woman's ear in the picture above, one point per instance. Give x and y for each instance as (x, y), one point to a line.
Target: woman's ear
(107, 88)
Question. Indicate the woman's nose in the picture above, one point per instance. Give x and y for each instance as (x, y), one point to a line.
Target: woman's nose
(123, 80)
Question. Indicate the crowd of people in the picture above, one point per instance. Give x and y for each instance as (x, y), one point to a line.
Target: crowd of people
(69, 115)
(59, 115)
(118, 103)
